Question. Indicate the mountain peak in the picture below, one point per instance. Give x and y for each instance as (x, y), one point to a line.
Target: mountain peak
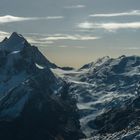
(98, 62)
(16, 35)
(14, 43)
(17, 38)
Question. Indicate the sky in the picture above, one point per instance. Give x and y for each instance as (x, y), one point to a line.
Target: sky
(75, 32)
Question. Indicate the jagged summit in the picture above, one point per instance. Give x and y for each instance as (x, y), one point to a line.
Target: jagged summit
(125, 61)
(15, 42)
(98, 62)
(16, 36)
(111, 69)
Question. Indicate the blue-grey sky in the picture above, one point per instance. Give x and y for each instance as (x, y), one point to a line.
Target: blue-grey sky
(74, 32)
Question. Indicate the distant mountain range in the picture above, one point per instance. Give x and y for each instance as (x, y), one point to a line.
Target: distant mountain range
(108, 93)
(42, 101)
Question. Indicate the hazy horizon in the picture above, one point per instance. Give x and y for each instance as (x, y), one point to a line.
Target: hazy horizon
(72, 33)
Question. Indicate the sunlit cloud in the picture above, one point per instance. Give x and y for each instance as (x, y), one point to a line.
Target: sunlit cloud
(38, 41)
(85, 25)
(75, 6)
(80, 47)
(125, 48)
(49, 39)
(63, 46)
(110, 26)
(9, 18)
(3, 35)
(55, 17)
(132, 48)
(129, 13)
(66, 46)
(34, 39)
(75, 37)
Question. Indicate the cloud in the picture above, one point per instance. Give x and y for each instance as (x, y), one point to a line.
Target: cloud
(63, 46)
(43, 40)
(85, 25)
(9, 18)
(66, 46)
(38, 41)
(3, 35)
(133, 48)
(80, 47)
(126, 48)
(129, 13)
(34, 39)
(75, 37)
(75, 6)
(112, 26)
(55, 17)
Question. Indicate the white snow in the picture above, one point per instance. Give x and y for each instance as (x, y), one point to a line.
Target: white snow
(14, 52)
(39, 66)
(97, 98)
(62, 73)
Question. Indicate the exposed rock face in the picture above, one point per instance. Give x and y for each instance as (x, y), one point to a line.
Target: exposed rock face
(34, 104)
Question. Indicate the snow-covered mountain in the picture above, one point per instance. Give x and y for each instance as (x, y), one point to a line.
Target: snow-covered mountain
(38, 98)
(16, 43)
(105, 89)
(34, 103)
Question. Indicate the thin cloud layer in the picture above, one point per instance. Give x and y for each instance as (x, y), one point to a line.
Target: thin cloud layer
(85, 25)
(126, 48)
(110, 26)
(55, 17)
(75, 6)
(9, 18)
(70, 37)
(129, 13)
(38, 41)
(3, 35)
(44, 39)
(77, 47)
(34, 39)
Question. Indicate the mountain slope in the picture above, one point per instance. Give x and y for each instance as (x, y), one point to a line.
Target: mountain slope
(34, 104)
(17, 43)
(101, 86)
